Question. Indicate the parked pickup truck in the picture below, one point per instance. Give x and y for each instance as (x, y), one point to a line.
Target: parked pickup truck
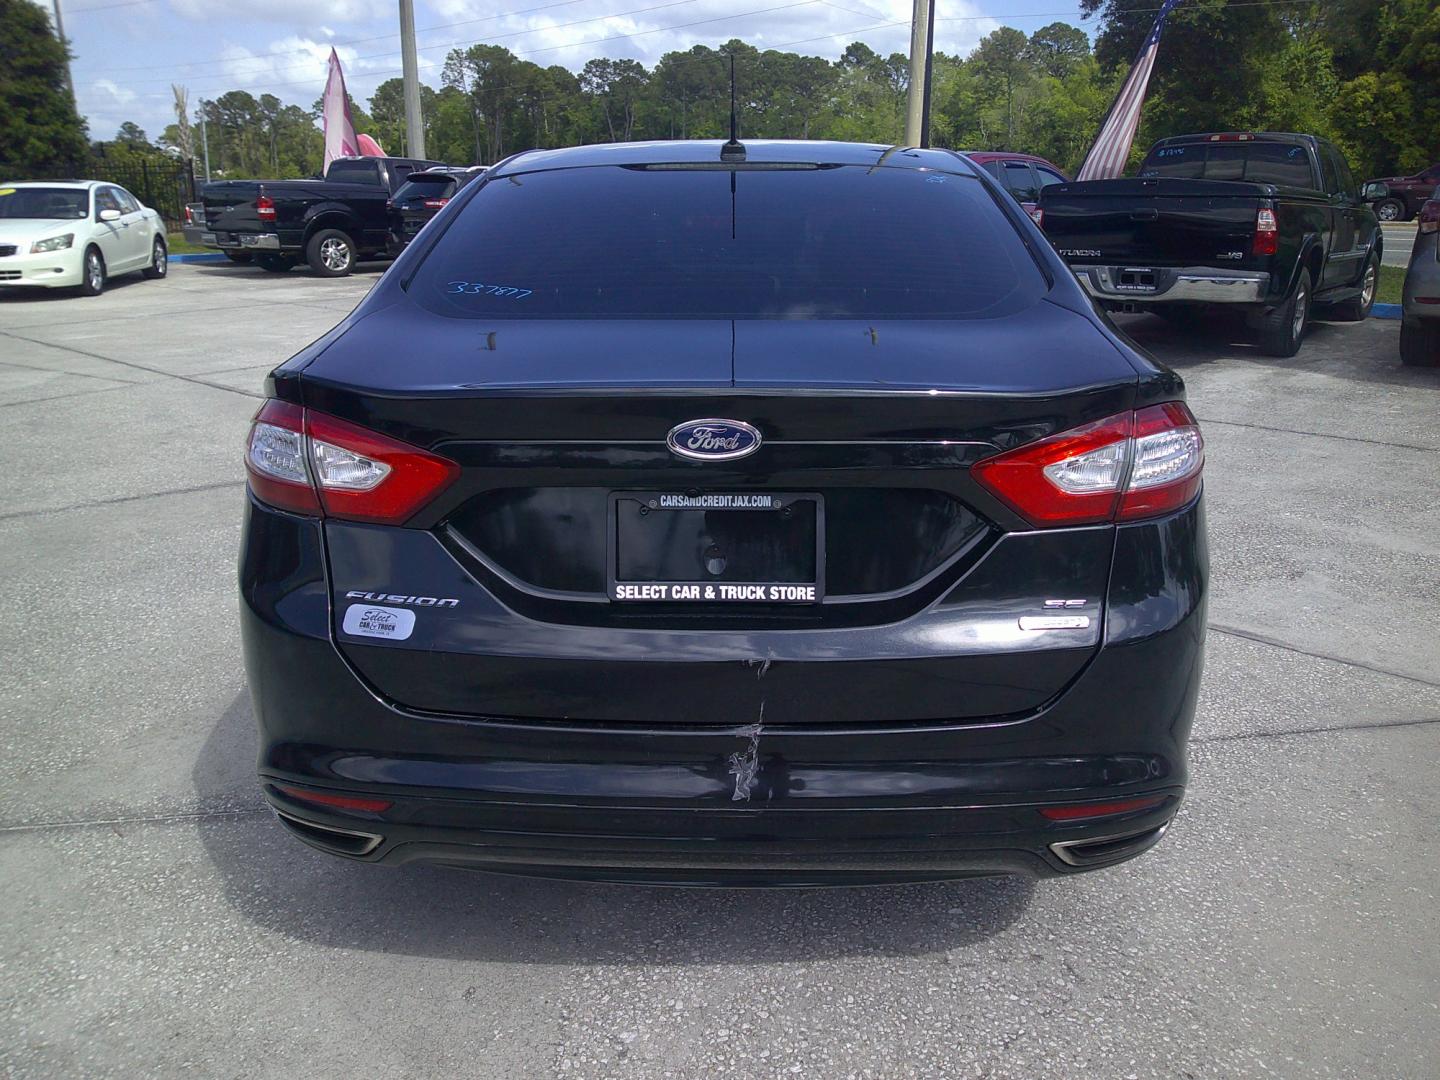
(330, 223)
(1267, 222)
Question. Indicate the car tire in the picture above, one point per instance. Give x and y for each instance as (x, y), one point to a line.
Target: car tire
(1390, 210)
(276, 264)
(331, 253)
(1357, 308)
(159, 261)
(1283, 327)
(244, 258)
(1420, 342)
(92, 273)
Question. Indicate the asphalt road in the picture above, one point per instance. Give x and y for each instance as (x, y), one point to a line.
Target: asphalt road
(157, 922)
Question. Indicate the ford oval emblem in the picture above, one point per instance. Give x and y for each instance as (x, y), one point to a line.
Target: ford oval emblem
(713, 440)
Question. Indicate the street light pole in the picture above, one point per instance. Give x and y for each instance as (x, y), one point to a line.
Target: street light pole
(917, 103)
(410, 68)
(60, 33)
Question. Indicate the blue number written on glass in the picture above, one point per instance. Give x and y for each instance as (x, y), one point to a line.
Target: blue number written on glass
(479, 288)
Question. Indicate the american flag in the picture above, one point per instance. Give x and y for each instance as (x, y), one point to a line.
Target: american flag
(1112, 149)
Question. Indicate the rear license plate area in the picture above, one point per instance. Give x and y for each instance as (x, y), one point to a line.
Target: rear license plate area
(670, 547)
(1138, 279)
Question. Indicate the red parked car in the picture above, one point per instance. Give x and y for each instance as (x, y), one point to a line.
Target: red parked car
(1407, 194)
(1023, 175)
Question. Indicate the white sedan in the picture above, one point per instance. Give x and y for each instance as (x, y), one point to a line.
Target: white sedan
(76, 234)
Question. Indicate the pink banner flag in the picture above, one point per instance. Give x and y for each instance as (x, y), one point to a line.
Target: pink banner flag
(340, 140)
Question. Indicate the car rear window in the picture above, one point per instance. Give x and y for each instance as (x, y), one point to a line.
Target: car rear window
(354, 172)
(842, 242)
(426, 187)
(1286, 164)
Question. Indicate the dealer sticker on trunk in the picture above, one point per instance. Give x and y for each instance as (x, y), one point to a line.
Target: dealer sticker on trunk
(371, 620)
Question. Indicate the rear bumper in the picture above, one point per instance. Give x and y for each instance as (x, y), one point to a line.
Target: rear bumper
(236, 241)
(1187, 284)
(732, 804)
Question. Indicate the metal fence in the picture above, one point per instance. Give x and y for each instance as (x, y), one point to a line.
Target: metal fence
(164, 185)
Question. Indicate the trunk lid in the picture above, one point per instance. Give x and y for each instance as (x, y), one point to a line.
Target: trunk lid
(553, 421)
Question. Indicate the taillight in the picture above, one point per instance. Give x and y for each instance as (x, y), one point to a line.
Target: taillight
(264, 207)
(1125, 467)
(1037, 215)
(433, 204)
(1267, 233)
(1429, 217)
(311, 463)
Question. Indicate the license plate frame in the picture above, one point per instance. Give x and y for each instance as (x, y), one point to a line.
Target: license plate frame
(713, 590)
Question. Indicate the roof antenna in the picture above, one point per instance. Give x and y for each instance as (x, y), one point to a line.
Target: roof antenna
(733, 150)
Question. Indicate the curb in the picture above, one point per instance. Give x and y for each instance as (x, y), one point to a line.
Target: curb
(1386, 311)
(217, 257)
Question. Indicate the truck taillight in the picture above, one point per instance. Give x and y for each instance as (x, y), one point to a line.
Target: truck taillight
(264, 207)
(1429, 218)
(1123, 468)
(310, 463)
(1267, 232)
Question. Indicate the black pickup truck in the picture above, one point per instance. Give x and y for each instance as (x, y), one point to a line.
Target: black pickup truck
(1270, 222)
(330, 223)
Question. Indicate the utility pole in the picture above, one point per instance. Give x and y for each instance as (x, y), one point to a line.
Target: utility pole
(410, 66)
(205, 141)
(917, 104)
(60, 33)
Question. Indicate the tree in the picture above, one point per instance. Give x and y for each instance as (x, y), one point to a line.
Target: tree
(132, 134)
(40, 130)
(1058, 49)
(1002, 60)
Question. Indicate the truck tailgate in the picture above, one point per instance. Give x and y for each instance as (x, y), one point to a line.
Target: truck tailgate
(1159, 222)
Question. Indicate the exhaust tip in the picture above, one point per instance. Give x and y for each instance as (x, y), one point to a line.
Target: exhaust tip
(1098, 850)
(327, 838)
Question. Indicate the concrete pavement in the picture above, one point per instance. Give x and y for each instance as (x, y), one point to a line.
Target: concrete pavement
(160, 923)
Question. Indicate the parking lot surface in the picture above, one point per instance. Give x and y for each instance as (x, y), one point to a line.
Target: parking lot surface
(159, 923)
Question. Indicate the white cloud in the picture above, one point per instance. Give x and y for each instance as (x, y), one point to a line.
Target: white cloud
(113, 94)
(297, 13)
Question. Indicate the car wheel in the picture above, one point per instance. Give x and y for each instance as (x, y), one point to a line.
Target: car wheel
(330, 253)
(1283, 327)
(159, 261)
(241, 257)
(1390, 210)
(276, 264)
(1358, 308)
(92, 273)
(1420, 343)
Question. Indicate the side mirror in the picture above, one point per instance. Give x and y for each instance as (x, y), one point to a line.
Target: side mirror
(109, 215)
(1374, 190)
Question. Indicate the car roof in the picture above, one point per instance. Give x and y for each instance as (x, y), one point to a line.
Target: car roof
(982, 156)
(1240, 136)
(693, 151)
(82, 185)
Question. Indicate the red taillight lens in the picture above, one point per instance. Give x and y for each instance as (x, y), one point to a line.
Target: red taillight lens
(433, 204)
(316, 464)
(1037, 215)
(1125, 467)
(339, 802)
(1267, 233)
(1429, 218)
(264, 207)
(275, 458)
(1104, 809)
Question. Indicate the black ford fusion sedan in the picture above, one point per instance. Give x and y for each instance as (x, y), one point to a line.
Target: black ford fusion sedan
(768, 514)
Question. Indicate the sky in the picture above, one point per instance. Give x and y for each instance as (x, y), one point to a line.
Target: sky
(128, 52)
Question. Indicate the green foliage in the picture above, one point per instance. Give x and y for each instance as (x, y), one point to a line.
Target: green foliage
(1362, 72)
(40, 131)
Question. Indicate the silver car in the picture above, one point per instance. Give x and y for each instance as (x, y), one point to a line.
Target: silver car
(1420, 330)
